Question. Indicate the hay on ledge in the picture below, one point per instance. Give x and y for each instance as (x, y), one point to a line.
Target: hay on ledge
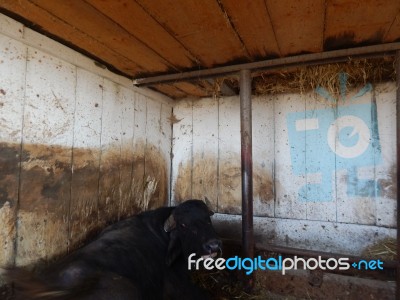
(304, 79)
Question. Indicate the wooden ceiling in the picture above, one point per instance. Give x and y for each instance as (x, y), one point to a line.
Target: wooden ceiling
(141, 38)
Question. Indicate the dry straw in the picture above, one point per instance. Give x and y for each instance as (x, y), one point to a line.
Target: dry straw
(384, 249)
(308, 78)
(304, 79)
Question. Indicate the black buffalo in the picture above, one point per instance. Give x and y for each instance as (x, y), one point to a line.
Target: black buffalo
(142, 257)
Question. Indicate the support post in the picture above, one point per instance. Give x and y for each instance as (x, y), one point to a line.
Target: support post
(246, 169)
(397, 66)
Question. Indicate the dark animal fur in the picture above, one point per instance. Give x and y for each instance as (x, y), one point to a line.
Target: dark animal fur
(142, 257)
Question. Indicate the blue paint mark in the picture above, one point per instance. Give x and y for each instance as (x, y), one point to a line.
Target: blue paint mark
(360, 187)
(367, 88)
(343, 85)
(323, 141)
(317, 192)
(324, 94)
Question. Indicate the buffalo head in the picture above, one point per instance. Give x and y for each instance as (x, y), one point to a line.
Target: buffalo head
(191, 231)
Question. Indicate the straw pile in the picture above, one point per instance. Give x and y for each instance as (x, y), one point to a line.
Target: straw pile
(384, 250)
(304, 79)
(308, 78)
(300, 80)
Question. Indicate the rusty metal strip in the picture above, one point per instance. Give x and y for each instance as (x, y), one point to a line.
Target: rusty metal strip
(274, 64)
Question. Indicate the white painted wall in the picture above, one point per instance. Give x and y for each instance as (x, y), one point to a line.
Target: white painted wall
(317, 184)
(74, 114)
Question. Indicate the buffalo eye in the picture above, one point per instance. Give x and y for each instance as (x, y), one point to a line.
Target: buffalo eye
(183, 225)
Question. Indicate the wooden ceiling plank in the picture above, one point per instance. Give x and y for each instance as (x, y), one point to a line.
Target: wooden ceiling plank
(298, 25)
(131, 16)
(350, 23)
(191, 89)
(252, 23)
(170, 90)
(234, 30)
(89, 20)
(201, 26)
(69, 34)
(393, 33)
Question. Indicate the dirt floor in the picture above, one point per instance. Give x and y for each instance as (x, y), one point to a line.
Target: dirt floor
(224, 285)
(5, 293)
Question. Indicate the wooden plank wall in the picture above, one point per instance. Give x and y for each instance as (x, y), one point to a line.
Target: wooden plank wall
(316, 165)
(79, 147)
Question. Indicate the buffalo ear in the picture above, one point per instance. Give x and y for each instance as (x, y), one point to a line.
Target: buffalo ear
(174, 249)
(169, 224)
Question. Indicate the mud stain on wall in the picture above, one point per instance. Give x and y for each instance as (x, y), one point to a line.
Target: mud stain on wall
(83, 208)
(156, 178)
(183, 183)
(205, 183)
(9, 170)
(230, 195)
(109, 185)
(205, 179)
(131, 183)
(7, 234)
(44, 198)
(9, 180)
(41, 237)
(67, 194)
(127, 183)
(45, 178)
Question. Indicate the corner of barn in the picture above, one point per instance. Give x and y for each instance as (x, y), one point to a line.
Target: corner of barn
(80, 147)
